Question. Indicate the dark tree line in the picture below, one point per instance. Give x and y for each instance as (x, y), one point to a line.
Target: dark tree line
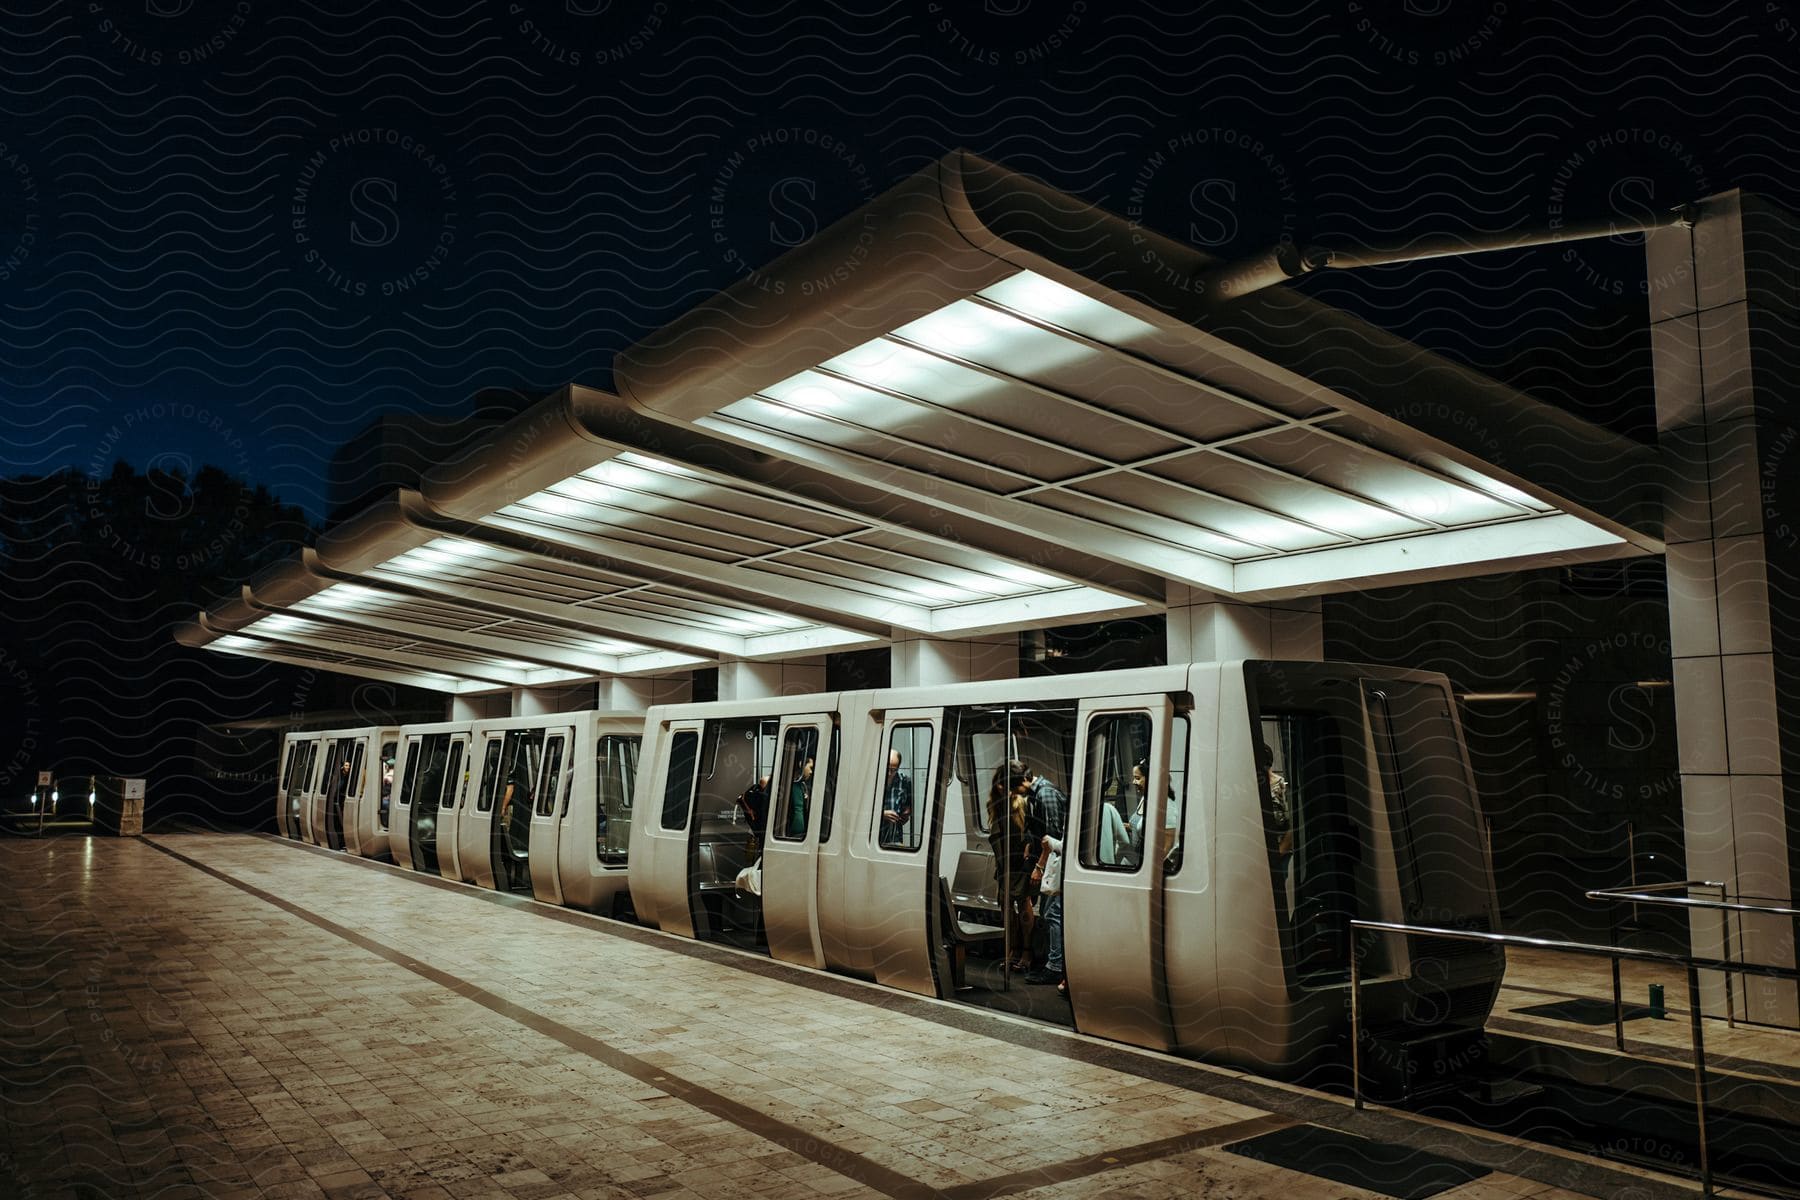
(95, 573)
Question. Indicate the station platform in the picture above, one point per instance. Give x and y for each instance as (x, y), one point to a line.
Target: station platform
(230, 1015)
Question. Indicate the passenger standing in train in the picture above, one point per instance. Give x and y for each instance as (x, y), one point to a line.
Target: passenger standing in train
(1015, 856)
(1050, 890)
(1278, 821)
(797, 796)
(896, 804)
(1048, 810)
(754, 800)
(515, 826)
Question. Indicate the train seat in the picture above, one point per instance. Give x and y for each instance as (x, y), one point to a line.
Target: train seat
(974, 897)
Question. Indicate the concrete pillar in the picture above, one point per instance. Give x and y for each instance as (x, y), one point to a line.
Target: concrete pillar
(742, 680)
(478, 707)
(1724, 341)
(1204, 628)
(533, 702)
(928, 662)
(635, 693)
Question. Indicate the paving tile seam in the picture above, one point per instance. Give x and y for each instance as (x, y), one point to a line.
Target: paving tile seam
(816, 1149)
(1547, 1164)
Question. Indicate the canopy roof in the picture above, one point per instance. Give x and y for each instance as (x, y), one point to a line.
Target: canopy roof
(975, 405)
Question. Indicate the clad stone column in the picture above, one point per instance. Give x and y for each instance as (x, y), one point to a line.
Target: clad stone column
(741, 680)
(1204, 628)
(1724, 341)
(635, 693)
(929, 662)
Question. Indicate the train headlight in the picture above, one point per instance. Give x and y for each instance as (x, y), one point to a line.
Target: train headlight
(55, 796)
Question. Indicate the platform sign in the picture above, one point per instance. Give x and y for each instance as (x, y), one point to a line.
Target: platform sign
(43, 779)
(134, 789)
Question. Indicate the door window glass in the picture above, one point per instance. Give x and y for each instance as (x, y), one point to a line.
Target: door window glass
(678, 788)
(902, 783)
(553, 756)
(799, 762)
(615, 774)
(1116, 803)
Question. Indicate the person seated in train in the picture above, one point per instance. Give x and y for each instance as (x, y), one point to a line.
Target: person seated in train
(1016, 866)
(896, 804)
(797, 797)
(754, 801)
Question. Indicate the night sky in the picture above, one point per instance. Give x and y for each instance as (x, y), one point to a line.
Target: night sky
(232, 232)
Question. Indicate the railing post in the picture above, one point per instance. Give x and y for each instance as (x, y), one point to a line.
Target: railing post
(1618, 1007)
(1356, 1026)
(1693, 981)
(1725, 953)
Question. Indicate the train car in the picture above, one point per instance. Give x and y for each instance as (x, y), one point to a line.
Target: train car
(299, 762)
(1224, 824)
(550, 813)
(346, 806)
(432, 770)
(538, 806)
(850, 832)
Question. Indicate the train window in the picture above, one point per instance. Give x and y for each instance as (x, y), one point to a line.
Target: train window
(517, 768)
(678, 788)
(387, 781)
(799, 763)
(1176, 808)
(828, 804)
(490, 776)
(1115, 792)
(615, 774)
(1434, 813)
(356, 769)
(453, 775)
(553, 755)
(287, 765)
(409, 783)
(897, 816)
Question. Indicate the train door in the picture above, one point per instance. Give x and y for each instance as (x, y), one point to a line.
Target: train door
(659, 850)
(894, 896)
(289, 749)
(475, 825)
(450, 808)
(594, 843)
(293, 786)
(1113, 883)
(556, 776)
(342, 787)
(790, 857)
(333, 750)
(434, 769)
(309, 786)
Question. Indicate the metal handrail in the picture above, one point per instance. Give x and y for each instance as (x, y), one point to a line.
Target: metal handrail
(1651, 894)
(1692, 964)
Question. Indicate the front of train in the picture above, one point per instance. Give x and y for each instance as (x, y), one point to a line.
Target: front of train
(1348, 795)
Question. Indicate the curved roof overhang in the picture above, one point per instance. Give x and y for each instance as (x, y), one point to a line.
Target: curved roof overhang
(974, 406)
(1017, 356)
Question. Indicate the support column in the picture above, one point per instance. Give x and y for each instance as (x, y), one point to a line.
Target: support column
(635, 693)
(1204, 628)
(742, 680)
(929, 662)
(1724, 340)
(478, 707)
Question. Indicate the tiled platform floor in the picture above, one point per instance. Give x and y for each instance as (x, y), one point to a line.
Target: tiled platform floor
(205, 1015)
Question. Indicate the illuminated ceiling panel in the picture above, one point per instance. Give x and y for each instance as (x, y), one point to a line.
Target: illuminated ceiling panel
(1037, 395)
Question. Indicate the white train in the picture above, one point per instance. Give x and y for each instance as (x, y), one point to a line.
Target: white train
(1220, 931)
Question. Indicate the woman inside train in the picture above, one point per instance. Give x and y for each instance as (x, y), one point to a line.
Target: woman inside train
(1015, 857)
